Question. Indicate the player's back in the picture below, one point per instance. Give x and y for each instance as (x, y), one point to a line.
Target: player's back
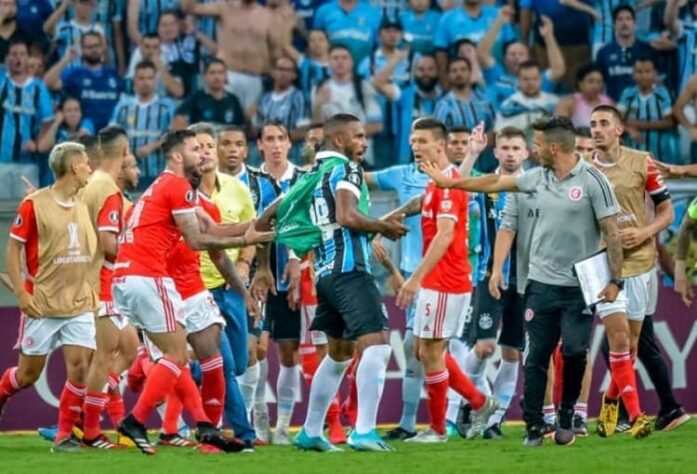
(452, 273)
(151, 232)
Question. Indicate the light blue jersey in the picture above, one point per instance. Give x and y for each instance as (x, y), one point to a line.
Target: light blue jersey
(468, 113)
(420, 29)
(357, 29)
(456, 25)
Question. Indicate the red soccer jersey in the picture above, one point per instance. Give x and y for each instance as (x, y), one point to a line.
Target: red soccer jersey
(452, 273)
(184, 264)
(308, 294)
(24, 230)
(109, 219)
(151, 233)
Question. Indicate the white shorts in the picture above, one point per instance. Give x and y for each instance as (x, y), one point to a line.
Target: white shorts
(201, 312)
(638, 298)
(154, 351)
(107, 309)
(149, 303)
(307, 315)
(38, 337)
(440, 315)
(247, 87)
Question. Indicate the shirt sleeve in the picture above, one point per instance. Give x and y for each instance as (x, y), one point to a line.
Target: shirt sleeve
(24, 226)
(109, 216)
(654, 183)
(182, 198)
(451, 204)
(530, 180)
(389, 178)
(510, 213)
(601, 195)
(349, 177)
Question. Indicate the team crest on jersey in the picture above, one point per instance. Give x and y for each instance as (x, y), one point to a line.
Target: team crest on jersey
(529, 314)
(189, 196)
(29, 341)
(446, 206)
(19, 221)
(354, 179)
(114, 217)
(576, 193)
(485, 321)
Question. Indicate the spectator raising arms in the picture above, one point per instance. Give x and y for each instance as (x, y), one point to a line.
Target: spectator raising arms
(68, 125)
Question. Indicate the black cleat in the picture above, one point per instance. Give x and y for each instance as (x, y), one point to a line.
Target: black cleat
(399, 434)
(548, 430)
(493, 432)
(209, 434)
(534, 437)
(133, 430)
(464, 420)
(670, 420)
(580, 426)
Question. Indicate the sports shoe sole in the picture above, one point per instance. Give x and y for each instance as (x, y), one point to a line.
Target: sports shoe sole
(676, 423)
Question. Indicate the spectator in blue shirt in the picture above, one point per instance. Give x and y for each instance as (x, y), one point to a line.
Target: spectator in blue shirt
(420, 23)
(501, 80)
(350, 23)
(68, 125)
(616, 59)
(313, 65)
(66, 33)
(11, 29)
(471, 22)
(94, 83)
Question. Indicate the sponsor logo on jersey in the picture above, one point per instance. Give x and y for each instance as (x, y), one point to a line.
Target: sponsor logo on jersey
(576, 193)
(19, 221)
(114, 217)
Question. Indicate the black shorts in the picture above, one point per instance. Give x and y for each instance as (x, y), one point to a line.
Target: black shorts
(489, 312)
(349, 305)
(279, 320)
(251, 330)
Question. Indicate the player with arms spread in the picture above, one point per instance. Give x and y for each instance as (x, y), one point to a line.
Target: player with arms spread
(54, 235)
(144, 291)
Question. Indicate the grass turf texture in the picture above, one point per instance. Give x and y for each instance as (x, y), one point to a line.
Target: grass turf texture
(672, 452)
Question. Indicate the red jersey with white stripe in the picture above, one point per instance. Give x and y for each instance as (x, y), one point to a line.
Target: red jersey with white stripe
(24, 230)
(109, 219)
(452, 273)
(184, 264)
(150, 233)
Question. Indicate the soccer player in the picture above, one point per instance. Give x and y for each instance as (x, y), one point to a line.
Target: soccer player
(554, 303)
(505, 310)
(584, 145)
(349, 307)
(53, 234)
(144, 291)
(106, 206)
(633, 175)
(443, 283)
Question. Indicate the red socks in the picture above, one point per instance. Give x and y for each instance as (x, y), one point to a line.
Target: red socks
(624, 381)
(94, 404)
(173, 410)
(459, 382)
(9, 384)
(188, 393)
(69, 408)
(213, 387)
(437, 389)
(309, 361)
(159, 383)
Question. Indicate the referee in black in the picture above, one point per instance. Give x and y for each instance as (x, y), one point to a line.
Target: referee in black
(578, 208)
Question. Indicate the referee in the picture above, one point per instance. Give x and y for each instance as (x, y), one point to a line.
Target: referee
(578, 208)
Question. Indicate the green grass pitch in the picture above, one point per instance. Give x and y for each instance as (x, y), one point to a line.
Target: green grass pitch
(674, 452)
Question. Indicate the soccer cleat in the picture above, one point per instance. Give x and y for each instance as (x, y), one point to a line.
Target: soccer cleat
(534, 437)
(429, 436)
(132, 429)
(336, 433)
(49, 434)
(281, 437)
(493, 432)
(464, 420)
(670, 420)
(314, 443)
(206, 433)
(370, 441)
(481, 416)
(399, 434)
(564, 436)
(123, 441)
(641, 427)
(580, 426)
(623, 426)
(607, 419)
(175, 440)
(262, 427)
(101, 442)
(248, 445)
(69, 444)
(548, 430)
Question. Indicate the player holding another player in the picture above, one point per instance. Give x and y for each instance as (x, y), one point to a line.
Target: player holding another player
(443, 283)
(145, 293)
(54, 235)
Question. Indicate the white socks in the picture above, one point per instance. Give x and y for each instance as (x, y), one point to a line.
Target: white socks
(248, 385)
(287, 387)
(475, 368)
(412, 384)
(504, 389)
(370, 382)
(458, 350)
(326, 382)
(260, 392)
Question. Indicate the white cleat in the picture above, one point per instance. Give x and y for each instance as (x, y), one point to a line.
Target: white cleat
(481, 417)
(281, 438)
(261, 426)
(428, 436)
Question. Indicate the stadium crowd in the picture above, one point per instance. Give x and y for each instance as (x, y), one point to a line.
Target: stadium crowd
(102, 98)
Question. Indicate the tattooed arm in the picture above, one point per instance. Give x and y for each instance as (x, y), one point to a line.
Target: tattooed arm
(611, 235)
(410, 208)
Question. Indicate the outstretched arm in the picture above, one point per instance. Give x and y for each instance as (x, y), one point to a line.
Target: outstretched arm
(491, 183)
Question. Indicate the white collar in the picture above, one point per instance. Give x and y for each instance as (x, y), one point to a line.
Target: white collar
(325, 154)
(287, 174)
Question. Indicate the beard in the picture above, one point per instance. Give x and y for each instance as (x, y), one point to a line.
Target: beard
(9, 19)
(91, 61)
(426, 84)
